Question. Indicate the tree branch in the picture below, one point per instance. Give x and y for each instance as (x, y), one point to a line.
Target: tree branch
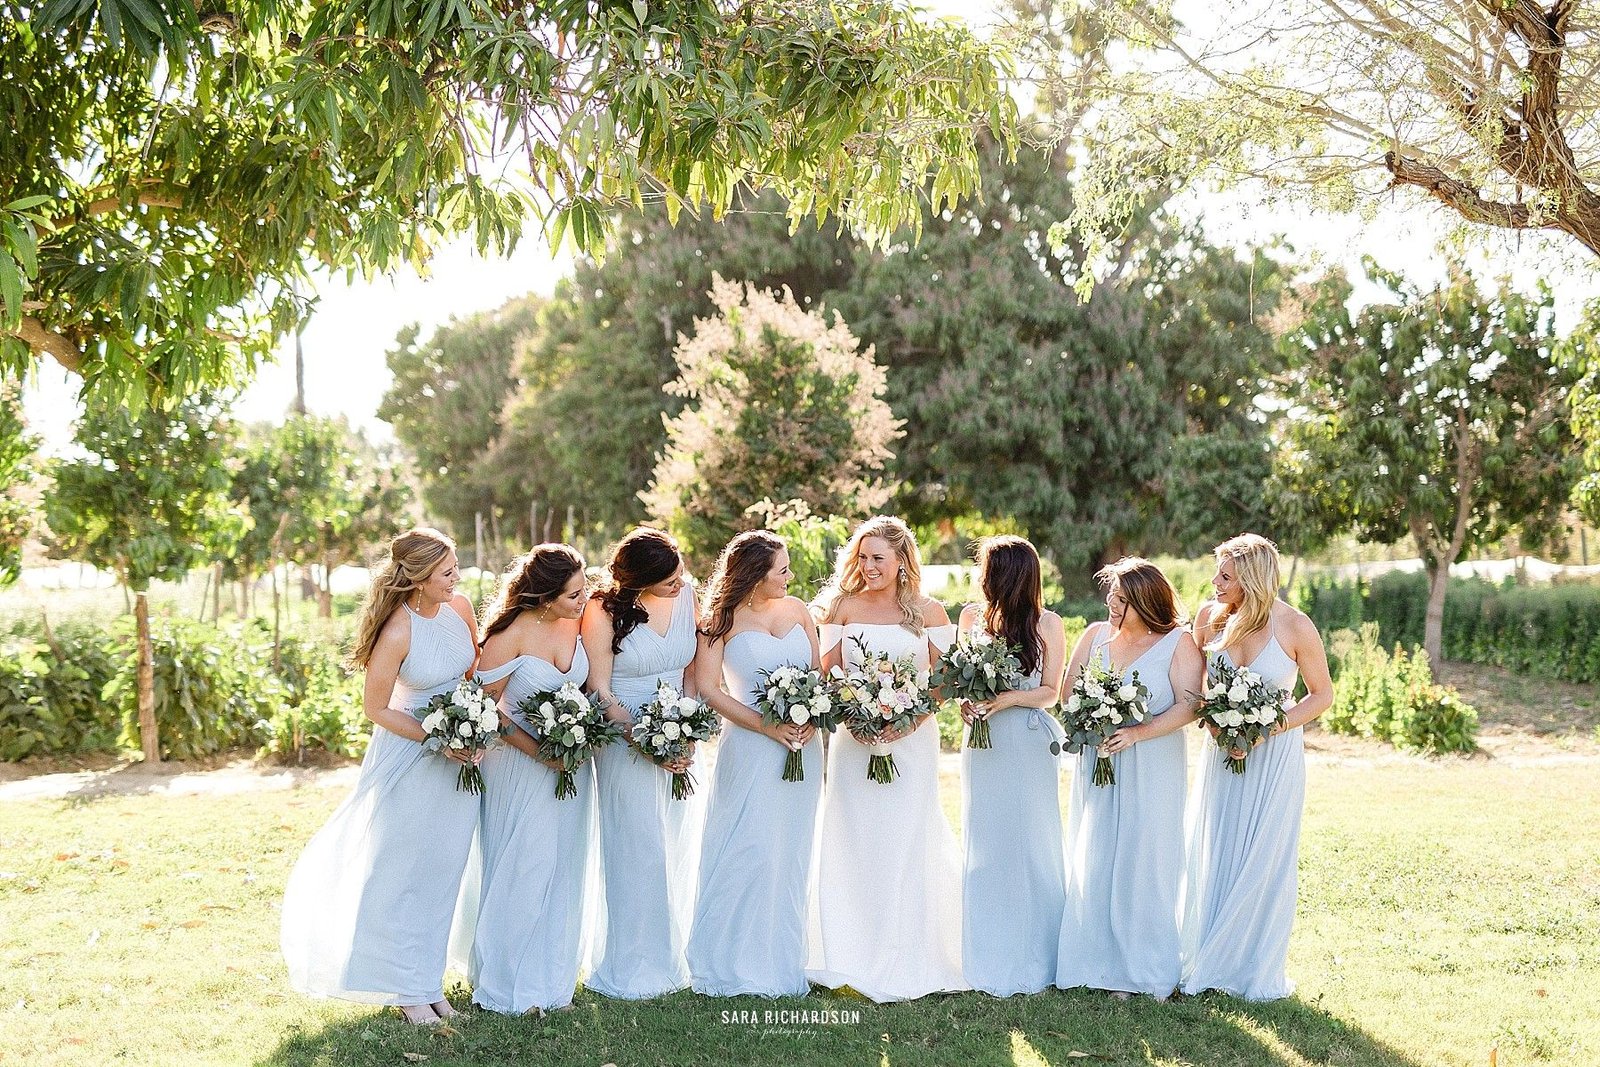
(41, 338)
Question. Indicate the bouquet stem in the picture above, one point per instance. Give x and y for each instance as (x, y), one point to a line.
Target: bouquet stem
(470, 779)
(881, 769)
(978, 736)
(566, 785)
(682, 785)
(1104, 772)
(1234, 765)
(794, 767)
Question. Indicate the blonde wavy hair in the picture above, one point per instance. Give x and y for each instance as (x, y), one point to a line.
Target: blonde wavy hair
(413, 556)
(1255, 565)
(848, 581)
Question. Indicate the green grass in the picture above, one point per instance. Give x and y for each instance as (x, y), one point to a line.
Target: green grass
(1447, 908)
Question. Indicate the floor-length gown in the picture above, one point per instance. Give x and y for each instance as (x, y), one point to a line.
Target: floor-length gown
(750, 919)
(1119, 929)
(1244, 849)
(1014, 873)
(886, 911)
(538, 873)
(649, 843)
(366, 913)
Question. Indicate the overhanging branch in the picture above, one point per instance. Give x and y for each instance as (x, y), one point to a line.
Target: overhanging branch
(59, 347)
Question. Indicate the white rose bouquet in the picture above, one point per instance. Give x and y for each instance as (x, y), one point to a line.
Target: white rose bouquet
(465, 720)
(799, 696)
(877, 695)
(979, 668)
(1243, 708)
(666, 727)
(1100, 704)
(569, 729)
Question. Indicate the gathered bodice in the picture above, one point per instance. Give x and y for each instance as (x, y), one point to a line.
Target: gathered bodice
(531, 674)
(1154, 665)
(438, 657)
(647, 658)
(1272, 663)
(748, 652)
(889, 638)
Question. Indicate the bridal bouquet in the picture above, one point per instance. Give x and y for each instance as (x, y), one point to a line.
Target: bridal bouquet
(795, 695)
(979, 668)
(569, 729)
(464, 720)
(666, 727)
(877, 695)
(1101, 703)
(1243, 708)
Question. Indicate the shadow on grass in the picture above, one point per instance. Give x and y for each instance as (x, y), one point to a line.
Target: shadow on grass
(969, 1028)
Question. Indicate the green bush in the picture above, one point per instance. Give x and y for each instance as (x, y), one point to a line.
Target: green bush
(50, 694)
(1392, 697)
(321, 705)
(1548, 631)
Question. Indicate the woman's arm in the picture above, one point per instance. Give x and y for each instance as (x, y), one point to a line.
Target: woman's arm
(595, 629)
(1186, 674)
(1308, 653)
(463, 607)
(708, 669)
(394, 640)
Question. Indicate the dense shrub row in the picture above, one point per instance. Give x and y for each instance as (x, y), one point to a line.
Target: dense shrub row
(72, 690)
(1548, 631)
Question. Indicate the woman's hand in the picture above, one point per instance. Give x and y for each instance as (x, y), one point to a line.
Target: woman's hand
(1209, 727)
(971, 712)
(464, 755)
(682, 763)
(1125, 738)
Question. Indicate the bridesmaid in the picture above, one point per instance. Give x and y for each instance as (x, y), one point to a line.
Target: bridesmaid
(1244, 830)
(887, 908)
(1012, 881)
(750, 920)
(536, 849)
(366, 914)
(640, 630)
(1119, 930)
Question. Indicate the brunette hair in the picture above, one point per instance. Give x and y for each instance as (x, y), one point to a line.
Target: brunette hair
(848, 581)
(1146, 590)
(1013, 596)
(1255, 564)
(529, 583)
(413, 557)
(640, 560)
(739, 569)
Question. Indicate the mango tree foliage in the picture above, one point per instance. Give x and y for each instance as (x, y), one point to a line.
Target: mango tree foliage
(16, 473)
(784, 405)
(167, 177)
(1442, 415)
(1486, 107)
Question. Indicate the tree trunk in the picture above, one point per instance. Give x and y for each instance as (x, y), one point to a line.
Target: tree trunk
(1288, 585)
(216, 593)
(325, 594)
(1433, 621)
(148, 741)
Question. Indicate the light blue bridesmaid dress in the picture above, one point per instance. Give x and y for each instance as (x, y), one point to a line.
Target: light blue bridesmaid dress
(649, 843)
(366, 914)
(538, 875)
(750, 919)
(1119, 929)
(1244, 849)
(1013, 878)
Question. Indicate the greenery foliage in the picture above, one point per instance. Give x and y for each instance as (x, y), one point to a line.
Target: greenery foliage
(1545, 631)
(50, 692)
(1391, 696)
(16, 472)
(784, 405)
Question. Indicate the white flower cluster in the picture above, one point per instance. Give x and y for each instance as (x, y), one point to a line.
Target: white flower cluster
(795, 694)
(565, 715)
(882, 688)
(1247, 697)
(465, 718)
(980, 667)
(665, 726)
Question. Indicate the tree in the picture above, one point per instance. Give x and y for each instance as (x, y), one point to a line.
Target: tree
(16, 473)
(149, 501)
(446, 406)
(1442, 415)
(170, 170)
(1484, 106)
(784, 405)
(1581, 357)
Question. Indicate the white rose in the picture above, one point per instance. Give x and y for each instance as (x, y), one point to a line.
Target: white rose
(988, 668)
(1239, 693)
(457, 743)
(1235, 718)
(798, 714)
(547, 709)
(1074, 702)
(820, 703)
(922, 679)
(772, 694)
(431, 723)
(489, 721)
(549, 726)
(886, 695)
(577, 735)
(1095, 690)
(464, 729)
(670, 730)
(1127, 692)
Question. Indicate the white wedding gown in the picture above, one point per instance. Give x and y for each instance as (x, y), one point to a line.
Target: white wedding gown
(886, 909)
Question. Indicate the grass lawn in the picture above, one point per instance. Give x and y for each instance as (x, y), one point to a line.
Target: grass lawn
(1448, 908)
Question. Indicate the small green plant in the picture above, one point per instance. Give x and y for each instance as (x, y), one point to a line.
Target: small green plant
(1391, 696)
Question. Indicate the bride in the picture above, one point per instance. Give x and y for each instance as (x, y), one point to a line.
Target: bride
(887, 908)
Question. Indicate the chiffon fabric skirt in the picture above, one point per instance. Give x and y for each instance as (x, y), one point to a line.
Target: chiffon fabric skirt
(1014, 876)
(1119, 929)
(530, 898)
(887, 907)
(366, 914)
(651, 849)
(1244, 847)
(750, 919)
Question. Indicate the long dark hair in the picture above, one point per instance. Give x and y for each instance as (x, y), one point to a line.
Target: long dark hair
(1146, 590)
(529, 583)
(740, 568)
(1013, 595)
(640, 560)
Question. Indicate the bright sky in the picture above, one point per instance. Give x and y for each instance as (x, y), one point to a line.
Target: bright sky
(356, 323)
